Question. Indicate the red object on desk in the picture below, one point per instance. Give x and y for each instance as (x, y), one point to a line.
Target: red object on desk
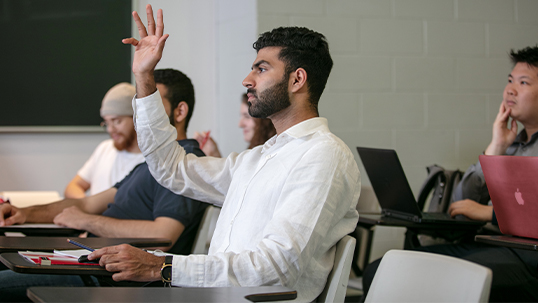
(38, 257)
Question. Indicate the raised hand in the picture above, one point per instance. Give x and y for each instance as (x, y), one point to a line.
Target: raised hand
(502, 135)
(207, 144)
(148, 51)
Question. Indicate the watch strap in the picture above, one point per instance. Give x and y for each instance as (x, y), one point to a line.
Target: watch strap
(166, 269)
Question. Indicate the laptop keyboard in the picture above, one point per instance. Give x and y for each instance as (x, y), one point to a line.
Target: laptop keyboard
(436, 216)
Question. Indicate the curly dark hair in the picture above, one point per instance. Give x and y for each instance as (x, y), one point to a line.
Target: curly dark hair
(301, 48)
(179, 89)
(527, 55)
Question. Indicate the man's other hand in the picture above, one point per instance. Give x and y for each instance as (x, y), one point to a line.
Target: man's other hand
(471, 209)
(10, 215)
(502, 135)
(129, 263)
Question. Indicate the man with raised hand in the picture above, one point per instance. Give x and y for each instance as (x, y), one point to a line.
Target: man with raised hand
(285, 203)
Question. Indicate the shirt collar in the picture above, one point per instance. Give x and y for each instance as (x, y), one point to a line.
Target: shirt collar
(522, 138)
(299, 130)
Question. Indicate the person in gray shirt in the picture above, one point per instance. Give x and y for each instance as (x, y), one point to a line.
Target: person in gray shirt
(520, 102)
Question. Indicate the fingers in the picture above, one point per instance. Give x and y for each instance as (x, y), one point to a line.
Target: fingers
(131, 41)
(3, 214)
(506, 114)
(10, 215)
(513, 128)
(160, 45)
(103, 251)
(107, 254)
(160, 23)
(151, 21)
(141, 28)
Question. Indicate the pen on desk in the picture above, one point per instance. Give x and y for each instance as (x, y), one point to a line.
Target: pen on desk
(205, 139)
(80, 245)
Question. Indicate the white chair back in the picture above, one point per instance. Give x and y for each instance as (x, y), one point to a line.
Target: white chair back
(205, 231)
(335, 289)
(411, 276)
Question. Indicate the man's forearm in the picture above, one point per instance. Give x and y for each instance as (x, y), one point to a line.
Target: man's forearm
(145, 85)
(120, 228)
(46, 213)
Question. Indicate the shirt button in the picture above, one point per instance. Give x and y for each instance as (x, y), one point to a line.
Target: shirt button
(524, 148)
(232, 222)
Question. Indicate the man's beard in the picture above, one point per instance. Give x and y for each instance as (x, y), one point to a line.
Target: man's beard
(128, 141)
(271, 100)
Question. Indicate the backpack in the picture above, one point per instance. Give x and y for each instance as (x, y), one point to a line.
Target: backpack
(442, 183)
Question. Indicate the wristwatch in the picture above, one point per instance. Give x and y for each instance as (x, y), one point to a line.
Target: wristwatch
(166, 269)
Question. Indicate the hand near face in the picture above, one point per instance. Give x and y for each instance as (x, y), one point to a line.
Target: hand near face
(129, 263)
(208, 146)
(10, 215)
(502, 135)
(71, 217)
(471, 209)
(148, 51)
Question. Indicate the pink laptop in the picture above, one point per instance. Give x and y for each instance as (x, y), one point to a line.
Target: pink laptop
(513, 187)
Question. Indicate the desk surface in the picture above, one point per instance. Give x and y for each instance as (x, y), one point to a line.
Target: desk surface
(18, 264)
(370, 219)
(509, 241)
(14, 244)
(41, 230)
(152, 294)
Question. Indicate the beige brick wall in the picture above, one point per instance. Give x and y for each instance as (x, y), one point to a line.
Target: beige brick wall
(424, 77)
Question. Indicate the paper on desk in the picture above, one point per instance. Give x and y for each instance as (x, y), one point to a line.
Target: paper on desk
(76, 253)
(47, 225)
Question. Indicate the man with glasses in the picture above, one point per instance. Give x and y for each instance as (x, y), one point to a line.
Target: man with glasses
(135, 207)
(114, 158)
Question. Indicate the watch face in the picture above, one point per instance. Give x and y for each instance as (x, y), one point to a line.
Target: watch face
(167, 273)
(166, 270)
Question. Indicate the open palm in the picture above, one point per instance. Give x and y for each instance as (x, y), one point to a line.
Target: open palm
(148, 51)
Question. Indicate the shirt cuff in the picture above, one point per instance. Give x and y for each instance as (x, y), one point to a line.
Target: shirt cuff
(148, 109)
(188, 271)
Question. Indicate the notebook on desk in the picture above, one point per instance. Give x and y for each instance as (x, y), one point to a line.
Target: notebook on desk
(393, 192)
(513, 188)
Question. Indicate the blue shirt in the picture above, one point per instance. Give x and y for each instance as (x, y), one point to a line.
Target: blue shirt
(140, 197)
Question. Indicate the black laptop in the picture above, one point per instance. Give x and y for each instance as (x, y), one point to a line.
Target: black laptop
(393, 191)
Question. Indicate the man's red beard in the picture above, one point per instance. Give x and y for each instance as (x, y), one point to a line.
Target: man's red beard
(127, 141)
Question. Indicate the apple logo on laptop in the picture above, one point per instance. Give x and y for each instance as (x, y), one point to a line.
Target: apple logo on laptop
(519, 198)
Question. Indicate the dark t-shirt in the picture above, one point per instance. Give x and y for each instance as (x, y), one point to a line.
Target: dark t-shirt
(140, 197)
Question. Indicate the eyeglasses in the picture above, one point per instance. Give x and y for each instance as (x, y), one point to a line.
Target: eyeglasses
(114, 122)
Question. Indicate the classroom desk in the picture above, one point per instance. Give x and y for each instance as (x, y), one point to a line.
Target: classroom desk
(41, 230)
(369, 220)
(508, 241)
(153, 294)
(14, 244)
(17, 263)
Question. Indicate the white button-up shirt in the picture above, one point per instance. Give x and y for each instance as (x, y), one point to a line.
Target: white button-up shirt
(284, 204)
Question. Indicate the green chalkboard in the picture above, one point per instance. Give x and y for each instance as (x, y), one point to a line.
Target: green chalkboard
(59, 58)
